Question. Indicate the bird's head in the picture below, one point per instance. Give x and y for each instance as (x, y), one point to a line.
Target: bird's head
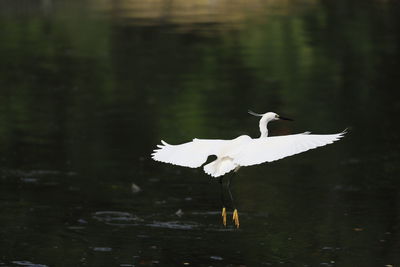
(269, 116)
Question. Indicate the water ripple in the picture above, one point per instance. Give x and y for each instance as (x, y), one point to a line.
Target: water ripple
(174, 225)
(28, 263)
(117, 218)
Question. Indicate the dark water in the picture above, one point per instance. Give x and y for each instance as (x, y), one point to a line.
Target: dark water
(87, 89)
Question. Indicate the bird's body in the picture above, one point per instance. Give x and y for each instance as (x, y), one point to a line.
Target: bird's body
(241, 151)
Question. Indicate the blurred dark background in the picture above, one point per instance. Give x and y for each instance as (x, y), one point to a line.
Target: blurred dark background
(88, 88)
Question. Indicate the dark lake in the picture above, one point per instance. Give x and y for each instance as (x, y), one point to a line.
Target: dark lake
(89, 88)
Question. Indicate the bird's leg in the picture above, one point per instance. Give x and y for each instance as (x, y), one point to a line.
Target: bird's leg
(235, 216)
(223, 214)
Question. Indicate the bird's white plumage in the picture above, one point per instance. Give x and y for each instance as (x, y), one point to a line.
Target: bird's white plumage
(241, 151)
(191, 154)
(269, 149)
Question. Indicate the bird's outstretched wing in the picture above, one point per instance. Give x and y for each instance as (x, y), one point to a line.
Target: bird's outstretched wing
(191, 154)
(273, 148)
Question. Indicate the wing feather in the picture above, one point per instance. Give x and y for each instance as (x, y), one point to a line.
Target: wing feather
(269, 149)
(191, 154)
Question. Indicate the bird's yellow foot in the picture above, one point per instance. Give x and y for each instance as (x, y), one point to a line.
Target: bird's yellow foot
(223, 214)
(235, 218)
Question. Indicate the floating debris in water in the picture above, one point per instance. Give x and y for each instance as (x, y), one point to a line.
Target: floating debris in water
(135, 188)
(82, 221)
(179, 213)
(217, 258)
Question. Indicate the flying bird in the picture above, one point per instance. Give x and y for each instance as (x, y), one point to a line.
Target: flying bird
(240, 152)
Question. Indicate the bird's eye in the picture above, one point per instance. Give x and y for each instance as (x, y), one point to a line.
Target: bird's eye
(276, 116)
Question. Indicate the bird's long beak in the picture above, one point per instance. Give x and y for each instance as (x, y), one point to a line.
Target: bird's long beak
(286, 119)
(255, 114)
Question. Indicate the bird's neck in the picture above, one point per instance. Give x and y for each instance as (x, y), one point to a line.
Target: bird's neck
(263, 128)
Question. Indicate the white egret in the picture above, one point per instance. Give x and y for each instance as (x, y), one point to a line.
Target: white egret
(241, 151)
